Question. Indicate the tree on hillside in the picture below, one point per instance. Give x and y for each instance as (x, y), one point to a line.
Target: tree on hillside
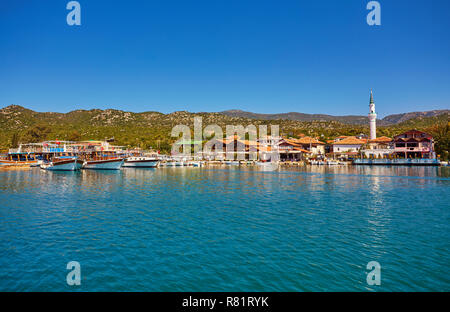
(15, 140)
(441, 135)
(37, 134)
(74, 136)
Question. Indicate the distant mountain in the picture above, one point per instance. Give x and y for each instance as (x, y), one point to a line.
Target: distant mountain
(296, 116)
(350, 119)
(398, 118)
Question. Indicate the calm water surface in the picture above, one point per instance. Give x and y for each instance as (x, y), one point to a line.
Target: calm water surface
(226, 229)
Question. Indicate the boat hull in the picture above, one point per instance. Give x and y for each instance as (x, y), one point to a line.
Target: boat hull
(110, 164)
(64, 165)
(140, 163)
(30, 163)
(232, 163)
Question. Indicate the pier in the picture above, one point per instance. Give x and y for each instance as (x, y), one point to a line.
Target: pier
(397, 162)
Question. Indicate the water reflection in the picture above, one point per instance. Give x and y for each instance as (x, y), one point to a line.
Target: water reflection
(297, 228)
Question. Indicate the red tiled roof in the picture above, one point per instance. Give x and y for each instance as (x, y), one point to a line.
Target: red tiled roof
(382, 139)
(426, 135)
(301, 150)
(351, 140)
(308, 140)
(229, 140)
(291, 142)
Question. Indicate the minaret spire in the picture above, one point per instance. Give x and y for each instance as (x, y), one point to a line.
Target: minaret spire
(372, 118)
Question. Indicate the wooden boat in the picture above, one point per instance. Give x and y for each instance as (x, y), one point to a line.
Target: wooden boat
(63, 164)
(29, 163)
(20, 159)
(140, 162)
(104, 164)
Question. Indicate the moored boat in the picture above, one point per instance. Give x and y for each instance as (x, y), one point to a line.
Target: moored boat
(104, 164)
(29, 163)
(141, 162)
(195, 163)
(63, 164)
(20, 159)
(232, 162)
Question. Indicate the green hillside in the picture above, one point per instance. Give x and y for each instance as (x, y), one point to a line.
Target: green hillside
(152, 129)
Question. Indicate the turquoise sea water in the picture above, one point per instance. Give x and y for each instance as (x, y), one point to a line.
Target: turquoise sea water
(226, 229)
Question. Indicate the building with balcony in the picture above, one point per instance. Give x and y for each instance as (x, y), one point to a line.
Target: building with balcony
(414, 144)
(290, 150)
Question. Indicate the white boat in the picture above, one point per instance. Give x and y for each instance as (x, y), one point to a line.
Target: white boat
(141, 162)
(267, 165)
(332, 163)
(105, 164)
(232, 162)
(63, 164)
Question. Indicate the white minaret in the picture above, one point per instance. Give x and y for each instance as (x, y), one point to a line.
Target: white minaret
(372, 118)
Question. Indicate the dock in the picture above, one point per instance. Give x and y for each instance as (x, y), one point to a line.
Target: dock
(397, 162)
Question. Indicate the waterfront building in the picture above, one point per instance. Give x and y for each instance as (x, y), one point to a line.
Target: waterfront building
(312, 145)
(348, 146)
(380, 147)
(233, 148)
(414, 144)
(269, 140)
(290, 150)
(372, 118)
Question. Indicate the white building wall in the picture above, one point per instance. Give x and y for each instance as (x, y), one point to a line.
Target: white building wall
(319, 149)
(338, 148)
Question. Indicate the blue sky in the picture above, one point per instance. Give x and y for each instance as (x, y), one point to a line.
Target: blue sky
(261, 56)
